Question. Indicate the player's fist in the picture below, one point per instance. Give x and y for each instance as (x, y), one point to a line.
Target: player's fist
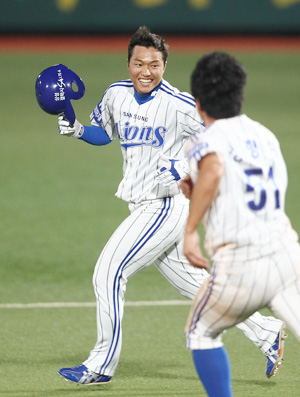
(173, 171)
(65, 127)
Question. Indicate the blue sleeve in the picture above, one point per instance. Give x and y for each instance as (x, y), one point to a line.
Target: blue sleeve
(95, 135)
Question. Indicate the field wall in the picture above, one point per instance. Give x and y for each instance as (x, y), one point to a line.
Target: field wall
(162, 16)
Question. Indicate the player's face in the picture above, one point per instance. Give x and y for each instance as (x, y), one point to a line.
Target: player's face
(146, 68)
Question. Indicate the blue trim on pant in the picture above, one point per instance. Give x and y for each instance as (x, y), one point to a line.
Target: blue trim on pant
(116, 332)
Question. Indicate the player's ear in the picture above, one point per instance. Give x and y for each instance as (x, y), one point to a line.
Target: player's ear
(202, 112)
(165, 65)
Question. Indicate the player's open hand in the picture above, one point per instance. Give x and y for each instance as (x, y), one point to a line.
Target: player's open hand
(186, 185)
(192, 251)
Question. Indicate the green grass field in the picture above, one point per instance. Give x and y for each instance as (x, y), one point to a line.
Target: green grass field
(57, 211)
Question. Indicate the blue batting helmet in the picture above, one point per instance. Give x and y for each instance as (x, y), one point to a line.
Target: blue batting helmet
(54, 90)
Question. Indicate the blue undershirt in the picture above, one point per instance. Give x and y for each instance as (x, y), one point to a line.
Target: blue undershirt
(95, 135)
(143, 98)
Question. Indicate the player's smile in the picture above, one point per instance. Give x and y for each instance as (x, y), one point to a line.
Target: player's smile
(146, 68)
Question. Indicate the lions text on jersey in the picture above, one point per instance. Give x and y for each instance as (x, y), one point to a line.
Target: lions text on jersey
(146, 125)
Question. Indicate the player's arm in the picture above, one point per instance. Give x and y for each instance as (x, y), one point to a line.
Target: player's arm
(95, 135)
(202, 196)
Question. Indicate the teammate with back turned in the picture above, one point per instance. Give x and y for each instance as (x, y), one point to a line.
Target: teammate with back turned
(237, 188)
(152, 120)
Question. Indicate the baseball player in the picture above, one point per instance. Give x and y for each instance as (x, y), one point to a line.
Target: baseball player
(152, 121)
(240, 180)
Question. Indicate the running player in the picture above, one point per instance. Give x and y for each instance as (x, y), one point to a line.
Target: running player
(152, 120)
(240, 181)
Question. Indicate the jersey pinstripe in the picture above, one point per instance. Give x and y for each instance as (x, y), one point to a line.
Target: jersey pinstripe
(160, 125)
(249, 210)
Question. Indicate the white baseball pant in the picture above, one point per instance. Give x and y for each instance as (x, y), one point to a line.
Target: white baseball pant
(152, 233)
(235, 290)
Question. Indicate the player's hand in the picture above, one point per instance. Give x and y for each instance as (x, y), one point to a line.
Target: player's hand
(65, 128)
(173, 171)
(186, 185)
(192, 251)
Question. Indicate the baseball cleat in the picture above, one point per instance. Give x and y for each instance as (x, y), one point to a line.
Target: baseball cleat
(275, 353)
(81, 375)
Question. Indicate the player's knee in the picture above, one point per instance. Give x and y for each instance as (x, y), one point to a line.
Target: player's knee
(197, 341)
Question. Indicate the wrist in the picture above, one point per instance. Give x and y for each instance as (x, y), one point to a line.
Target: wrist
(192, 225)
(79, 130)
(189, 229)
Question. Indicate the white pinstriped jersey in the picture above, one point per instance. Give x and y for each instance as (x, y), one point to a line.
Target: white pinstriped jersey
(159, 125)
(248, 214)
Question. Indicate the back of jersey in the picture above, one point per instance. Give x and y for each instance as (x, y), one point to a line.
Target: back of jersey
(248, 213)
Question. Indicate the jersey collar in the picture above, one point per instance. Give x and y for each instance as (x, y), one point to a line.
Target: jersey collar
(143, 98)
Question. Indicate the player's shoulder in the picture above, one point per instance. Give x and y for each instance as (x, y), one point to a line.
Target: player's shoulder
(243, 126)
(260, 129)
(232, 124)
(120, 85)
(176, 95)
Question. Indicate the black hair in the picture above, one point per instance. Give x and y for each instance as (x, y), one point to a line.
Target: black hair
(143, 37)
(218, 82)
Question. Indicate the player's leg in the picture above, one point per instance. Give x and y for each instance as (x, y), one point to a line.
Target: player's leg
(205, 341)
(226, 298)
(217, 362)
(268, 334)
(287, 306)
(187, 279)
(109, 283)
(138, 241)
(263, 331)
(286, 302)
(133, 246)
(176, 269)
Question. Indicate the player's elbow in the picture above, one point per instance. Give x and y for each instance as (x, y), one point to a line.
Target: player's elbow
(213, 177)
(216, 172)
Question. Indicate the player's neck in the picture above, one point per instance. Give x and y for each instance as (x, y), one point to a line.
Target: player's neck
(207, 119)
(143, 98)
(204, 116)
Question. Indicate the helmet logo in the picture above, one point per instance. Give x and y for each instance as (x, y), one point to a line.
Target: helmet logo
(60, 96)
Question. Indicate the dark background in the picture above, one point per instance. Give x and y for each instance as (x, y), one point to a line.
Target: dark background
(162, 16)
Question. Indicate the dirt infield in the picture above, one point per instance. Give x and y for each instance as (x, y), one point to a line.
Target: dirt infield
(46, 44)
